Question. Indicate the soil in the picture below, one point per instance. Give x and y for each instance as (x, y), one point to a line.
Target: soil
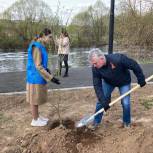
(17, 136)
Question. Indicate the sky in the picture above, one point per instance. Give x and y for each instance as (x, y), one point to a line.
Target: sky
(68, 8)
(76, 5)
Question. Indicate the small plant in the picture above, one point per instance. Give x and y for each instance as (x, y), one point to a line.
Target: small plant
(57, 107)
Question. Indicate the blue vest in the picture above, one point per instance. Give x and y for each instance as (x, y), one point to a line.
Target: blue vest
(33, 75)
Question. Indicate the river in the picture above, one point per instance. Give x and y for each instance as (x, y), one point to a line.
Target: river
(16, 61)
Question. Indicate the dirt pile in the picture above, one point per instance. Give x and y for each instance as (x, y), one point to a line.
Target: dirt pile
(137, 139)
(56, 138)
(17, 136)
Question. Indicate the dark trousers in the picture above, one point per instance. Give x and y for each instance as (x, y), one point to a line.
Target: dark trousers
(61, 58)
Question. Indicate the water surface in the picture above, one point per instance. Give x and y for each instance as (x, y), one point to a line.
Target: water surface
(16, 61)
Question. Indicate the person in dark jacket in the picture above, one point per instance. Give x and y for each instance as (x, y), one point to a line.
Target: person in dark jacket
(110, 71)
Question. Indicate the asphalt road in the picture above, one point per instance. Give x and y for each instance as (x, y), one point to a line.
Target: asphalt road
(78, 77)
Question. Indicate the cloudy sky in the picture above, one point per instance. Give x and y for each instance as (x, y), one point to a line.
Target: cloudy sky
(68, 8)
(67, 4)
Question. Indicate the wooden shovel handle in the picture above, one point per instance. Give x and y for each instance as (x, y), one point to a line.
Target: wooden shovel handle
(119, 98)
(149, 78)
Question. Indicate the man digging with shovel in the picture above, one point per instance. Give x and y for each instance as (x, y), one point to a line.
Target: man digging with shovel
(110, 71)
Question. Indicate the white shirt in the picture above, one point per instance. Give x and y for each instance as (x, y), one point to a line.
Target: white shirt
(63, 45)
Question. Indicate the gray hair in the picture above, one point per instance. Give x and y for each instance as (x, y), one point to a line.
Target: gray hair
(95, 52)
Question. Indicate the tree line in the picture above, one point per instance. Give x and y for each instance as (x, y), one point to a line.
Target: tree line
(26, 18)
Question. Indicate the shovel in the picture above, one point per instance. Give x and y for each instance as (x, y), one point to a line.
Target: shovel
(88, 119)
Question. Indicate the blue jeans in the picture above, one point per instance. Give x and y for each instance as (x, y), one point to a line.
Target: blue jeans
(108, 89)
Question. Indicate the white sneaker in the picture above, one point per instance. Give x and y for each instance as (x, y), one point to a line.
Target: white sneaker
(44, 118)
(38, 122)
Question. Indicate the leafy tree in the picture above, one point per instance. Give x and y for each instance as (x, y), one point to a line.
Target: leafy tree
(30, 15)
(91, 28)
(134, 25)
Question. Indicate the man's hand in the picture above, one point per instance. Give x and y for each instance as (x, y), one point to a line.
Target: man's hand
(106, 107)
(143, 83)
(55, 80)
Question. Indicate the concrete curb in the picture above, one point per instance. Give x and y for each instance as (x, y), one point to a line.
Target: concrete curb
(62, 89)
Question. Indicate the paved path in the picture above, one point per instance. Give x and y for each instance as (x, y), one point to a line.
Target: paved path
(78, 77)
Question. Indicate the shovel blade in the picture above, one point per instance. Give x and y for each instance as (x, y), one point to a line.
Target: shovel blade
(84, 121)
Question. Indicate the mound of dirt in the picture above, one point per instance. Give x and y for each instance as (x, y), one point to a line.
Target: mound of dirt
(56, 138)
(63, 139)
(17, 136)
